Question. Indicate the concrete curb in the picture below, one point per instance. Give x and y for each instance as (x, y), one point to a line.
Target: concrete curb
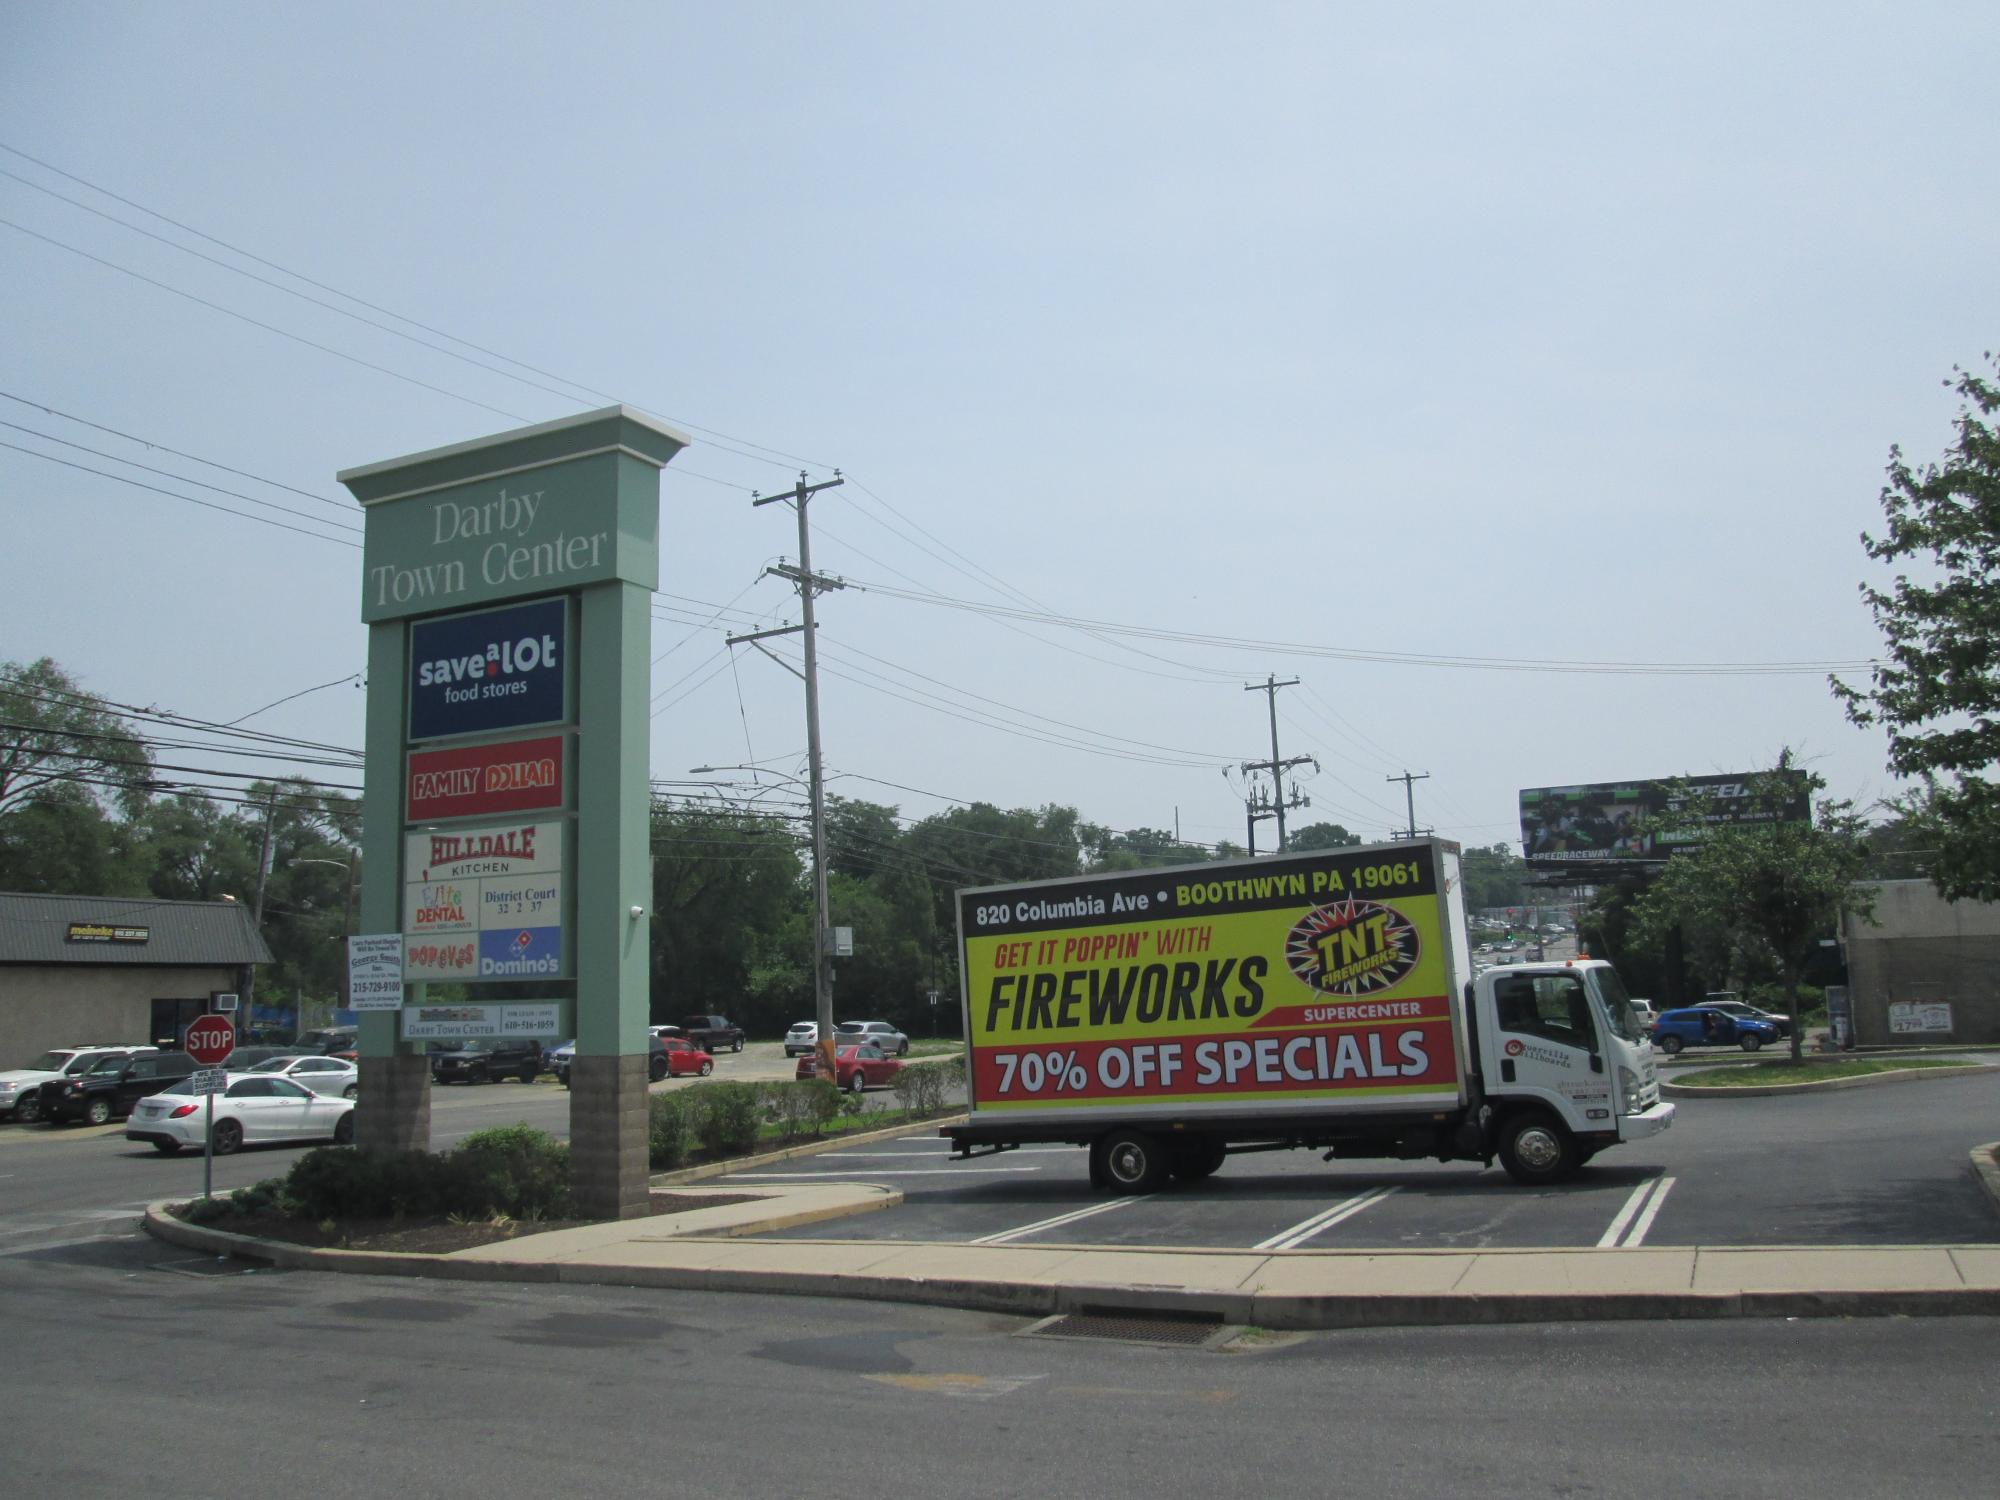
(1986, 1167)
(1817, 1086)
(1032, 1295)
(792, 1153)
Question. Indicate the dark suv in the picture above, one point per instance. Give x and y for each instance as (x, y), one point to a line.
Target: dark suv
(485, 1060)
(712, 1033)
(108, 1091)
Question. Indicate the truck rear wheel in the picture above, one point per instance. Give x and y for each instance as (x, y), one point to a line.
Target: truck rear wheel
(1128, 1161)
(1536, 1150)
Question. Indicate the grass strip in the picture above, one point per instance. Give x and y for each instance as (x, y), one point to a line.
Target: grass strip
(1763, 1074)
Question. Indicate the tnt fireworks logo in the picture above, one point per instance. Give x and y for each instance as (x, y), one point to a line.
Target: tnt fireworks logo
(1352, 948)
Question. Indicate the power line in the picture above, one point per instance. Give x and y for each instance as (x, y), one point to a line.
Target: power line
(140, 484)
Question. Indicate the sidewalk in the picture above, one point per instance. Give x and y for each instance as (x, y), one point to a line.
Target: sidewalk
(704, 1250)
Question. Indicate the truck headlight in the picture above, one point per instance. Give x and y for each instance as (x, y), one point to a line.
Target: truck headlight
(1628, 1090)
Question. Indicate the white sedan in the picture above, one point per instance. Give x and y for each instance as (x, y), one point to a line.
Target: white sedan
(323, 1075)
(253, 1108)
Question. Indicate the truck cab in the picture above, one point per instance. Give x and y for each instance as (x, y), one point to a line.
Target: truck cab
(1563, 1065)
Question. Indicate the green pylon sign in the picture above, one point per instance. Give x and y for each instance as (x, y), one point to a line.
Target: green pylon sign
(506, 585)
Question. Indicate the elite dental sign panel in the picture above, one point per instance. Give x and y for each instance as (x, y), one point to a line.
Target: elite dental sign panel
(516, 776)
(1314, 977)
(492, 669)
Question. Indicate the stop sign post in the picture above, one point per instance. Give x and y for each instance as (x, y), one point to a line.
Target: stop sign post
(209, 1041)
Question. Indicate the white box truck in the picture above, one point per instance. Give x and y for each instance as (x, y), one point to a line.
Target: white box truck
(1168, 1019)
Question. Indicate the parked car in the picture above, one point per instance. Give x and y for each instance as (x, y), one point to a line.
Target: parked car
(323, 1075)
(1701, 1026)
(21, 1088)
(1746, 1012)
(880, 1033)
(252, 1110)
(109, 1087)
(685, 1059)
(558, 1060)
(802, 1038)
(1643, 1012)
(663, 1032)
(485, 1060)
(716, 1033)
(856, 1066)
(338, 1041)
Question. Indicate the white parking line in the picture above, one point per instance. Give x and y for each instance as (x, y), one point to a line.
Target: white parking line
(1638, 1235)
(947, 1151)
(1298, 1234)
(892, 1172)
(1639, 1211)
(1009, 1235)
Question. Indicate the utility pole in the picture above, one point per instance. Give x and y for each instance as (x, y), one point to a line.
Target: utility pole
(1277, 767)
(257, 910)
(1410, 799)
(810, 584)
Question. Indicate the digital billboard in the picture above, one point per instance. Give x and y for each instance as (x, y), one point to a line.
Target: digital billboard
(1636, 822)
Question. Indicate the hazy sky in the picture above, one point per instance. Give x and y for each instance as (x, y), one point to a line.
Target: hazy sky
(1282, 338)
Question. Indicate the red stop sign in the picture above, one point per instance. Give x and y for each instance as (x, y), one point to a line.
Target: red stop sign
(210, 1039)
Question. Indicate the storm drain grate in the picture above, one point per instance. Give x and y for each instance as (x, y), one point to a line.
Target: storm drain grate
(214, 1265)
(1184, 1330)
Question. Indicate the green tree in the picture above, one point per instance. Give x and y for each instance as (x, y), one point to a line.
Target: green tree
(1494, 876)
(1109, 850)
(53, 735)
(62, 842)
(1319, 836)
(1938, 692)
(1773, 888)
(729, 897)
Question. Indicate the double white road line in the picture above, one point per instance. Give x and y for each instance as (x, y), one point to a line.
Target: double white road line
(1298, 1234)
(1628, 1230)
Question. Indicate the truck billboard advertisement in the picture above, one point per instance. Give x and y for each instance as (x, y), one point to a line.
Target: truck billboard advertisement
(489, 670)
(1240, 988)
(1624, 821)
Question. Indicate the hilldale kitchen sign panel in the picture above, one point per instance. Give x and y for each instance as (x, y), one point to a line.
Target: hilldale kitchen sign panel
(483, 780)
(489, 670)
(484, 904)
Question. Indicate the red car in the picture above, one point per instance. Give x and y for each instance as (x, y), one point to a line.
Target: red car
(856, 1068)
(684, 1057)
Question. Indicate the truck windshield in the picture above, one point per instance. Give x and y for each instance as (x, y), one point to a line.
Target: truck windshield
(1613, 1004)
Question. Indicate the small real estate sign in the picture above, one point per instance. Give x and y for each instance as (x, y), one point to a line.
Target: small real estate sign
(434, 1023)
(375, 971)
(491, 669)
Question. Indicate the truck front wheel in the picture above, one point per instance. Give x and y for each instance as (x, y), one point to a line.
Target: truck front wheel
(1127, 1161)
(1536, 1150)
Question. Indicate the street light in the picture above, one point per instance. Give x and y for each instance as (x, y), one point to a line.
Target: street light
(347, 930)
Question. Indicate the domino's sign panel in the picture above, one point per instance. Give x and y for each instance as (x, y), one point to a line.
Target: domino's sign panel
(491, 669)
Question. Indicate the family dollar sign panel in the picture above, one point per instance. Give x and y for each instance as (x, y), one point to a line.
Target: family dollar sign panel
(1239, 988)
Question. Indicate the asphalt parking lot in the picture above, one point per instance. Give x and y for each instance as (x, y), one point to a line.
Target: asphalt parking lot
(1879, 1166)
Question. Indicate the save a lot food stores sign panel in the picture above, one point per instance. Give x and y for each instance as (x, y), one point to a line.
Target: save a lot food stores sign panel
(1245, 988)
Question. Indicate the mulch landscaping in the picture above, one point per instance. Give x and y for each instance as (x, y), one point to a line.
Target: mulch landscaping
(440, 1236)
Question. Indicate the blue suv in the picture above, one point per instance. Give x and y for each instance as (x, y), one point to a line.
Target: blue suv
(1699, 1026)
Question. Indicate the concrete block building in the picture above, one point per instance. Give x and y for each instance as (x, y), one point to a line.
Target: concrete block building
(1927, 970)
(102, 969)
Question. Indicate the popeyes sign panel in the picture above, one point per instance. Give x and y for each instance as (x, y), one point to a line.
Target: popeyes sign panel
(483, 780)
